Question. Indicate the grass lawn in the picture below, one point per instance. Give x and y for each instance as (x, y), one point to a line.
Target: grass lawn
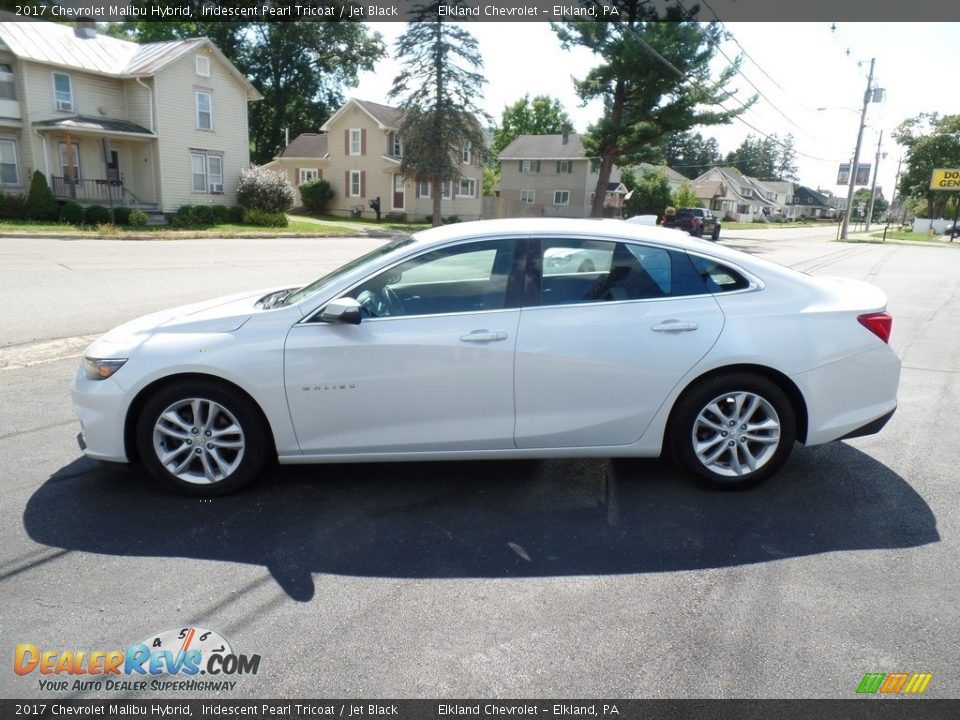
(366, 222)
(921, 237)
(296, 227)
(772, 225)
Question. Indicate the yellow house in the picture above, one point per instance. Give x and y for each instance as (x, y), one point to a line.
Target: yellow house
(358, 151)
(108, 121)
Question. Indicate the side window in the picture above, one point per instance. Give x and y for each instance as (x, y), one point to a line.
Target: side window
(589, 271)
(470, 277)
(718, 277)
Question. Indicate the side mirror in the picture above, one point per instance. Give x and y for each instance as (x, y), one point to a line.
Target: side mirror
(345, 311)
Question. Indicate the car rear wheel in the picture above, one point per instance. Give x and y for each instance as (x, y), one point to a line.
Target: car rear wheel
(733, 431)
(716, 233)
(201, 439)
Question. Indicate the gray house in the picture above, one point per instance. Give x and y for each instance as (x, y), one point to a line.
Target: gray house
(551, 176)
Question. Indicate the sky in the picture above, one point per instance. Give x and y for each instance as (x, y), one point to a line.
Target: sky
(798, 67)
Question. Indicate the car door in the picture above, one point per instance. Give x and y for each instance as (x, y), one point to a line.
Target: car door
(429, 367)
(599, 352)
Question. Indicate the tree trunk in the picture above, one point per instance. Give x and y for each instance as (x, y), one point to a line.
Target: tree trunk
(436, 190)
(600, 193)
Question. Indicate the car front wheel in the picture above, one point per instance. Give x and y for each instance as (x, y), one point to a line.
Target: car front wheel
(201, 439)
(716, 233)
(733, 431)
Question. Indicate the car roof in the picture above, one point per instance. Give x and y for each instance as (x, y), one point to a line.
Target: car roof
(574, 227)
(606, 228)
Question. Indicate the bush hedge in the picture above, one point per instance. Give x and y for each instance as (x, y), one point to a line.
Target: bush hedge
(96, 215)
(121, 215)
(137, 218)
(72, 213)
(41, 204)
(259, 189)
(316, 195)
(265, 218)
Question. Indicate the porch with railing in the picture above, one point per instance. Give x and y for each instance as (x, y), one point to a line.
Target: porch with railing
(95, 191)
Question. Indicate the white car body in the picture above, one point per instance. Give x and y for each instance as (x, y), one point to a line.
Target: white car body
(583, 379)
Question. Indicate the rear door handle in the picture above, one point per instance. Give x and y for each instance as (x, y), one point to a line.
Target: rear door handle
(483, 336)
(674, 326)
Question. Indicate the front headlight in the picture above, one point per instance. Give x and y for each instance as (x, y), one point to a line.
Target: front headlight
(101, 368)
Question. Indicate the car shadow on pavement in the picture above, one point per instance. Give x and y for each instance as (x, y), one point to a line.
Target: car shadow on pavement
(487, 519)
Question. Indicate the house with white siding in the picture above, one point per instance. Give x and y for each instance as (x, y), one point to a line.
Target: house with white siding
(113, 122)
(358, 151)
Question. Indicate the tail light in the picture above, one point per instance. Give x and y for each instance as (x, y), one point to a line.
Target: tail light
(878, 323)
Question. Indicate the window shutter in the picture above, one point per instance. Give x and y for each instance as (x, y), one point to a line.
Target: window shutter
(558, 167)
(570, 166)
(346, 142)
(363, 182)
(320, 173)
(363, 143)
(521, 165)
(346, 183)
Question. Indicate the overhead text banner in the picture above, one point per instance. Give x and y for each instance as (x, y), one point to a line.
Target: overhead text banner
(479, 10)
(916, 709)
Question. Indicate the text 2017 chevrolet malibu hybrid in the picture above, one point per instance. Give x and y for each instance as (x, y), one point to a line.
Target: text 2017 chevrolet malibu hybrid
(524, 338)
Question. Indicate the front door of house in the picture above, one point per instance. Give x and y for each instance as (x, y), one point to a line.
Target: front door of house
(398, 193)
(113, 166)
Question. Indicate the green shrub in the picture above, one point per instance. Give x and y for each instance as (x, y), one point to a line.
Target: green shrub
(428, 219)
(41, 204)
(185, 217)
(96, 215)
(451, 220)
(316, 195)
(259, 189)
(264, 218)
(72, 213)
(204, 215)
(14, 207)
(221, 214)
(137, 218)
(121, 215)
(235, 214)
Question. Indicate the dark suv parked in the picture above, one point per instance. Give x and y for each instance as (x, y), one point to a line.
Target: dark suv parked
(696, 221)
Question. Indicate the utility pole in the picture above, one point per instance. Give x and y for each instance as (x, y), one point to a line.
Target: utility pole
(895, 203)
(856, 153)
(873, 188)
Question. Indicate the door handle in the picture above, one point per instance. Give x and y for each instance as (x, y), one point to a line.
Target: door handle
(482, 336)
(674, 326)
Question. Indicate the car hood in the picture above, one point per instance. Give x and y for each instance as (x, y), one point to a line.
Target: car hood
(220, 315)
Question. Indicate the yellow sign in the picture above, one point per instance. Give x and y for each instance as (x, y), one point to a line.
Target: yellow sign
(945, 179)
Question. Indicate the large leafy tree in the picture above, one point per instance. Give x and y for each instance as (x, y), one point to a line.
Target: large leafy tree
(542, 115)
(437, 88)
(690, 155)
(649, 192)
(300, 68)
(932, 141)
(880, 206)
(653, 77)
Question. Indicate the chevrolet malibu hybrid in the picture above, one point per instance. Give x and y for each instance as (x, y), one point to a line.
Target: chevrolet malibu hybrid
(524, 338)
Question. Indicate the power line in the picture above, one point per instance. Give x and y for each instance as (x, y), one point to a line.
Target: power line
(696, 84)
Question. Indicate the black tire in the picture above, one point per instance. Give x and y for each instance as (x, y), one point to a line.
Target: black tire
(586, 267)
(729, 471)
(221, 410)
(716, 233)
(698, 231)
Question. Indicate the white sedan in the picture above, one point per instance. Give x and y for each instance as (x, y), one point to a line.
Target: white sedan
(467, 342)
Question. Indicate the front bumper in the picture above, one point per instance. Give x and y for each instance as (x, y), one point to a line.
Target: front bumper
(101, 407)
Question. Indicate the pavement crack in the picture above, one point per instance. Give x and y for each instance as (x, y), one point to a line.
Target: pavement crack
(28, 431)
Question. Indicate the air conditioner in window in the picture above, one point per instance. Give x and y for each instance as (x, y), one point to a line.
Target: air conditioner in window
(65, 105)
(216, 187)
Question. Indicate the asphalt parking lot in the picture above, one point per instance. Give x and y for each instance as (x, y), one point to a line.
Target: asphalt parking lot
(491, 579)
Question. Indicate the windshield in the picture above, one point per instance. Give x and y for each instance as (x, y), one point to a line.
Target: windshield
(316, 285)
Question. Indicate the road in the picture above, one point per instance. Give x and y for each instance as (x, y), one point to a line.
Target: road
(511, 579)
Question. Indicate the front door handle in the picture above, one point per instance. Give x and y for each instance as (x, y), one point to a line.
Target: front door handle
(674, 326)
(483, 336)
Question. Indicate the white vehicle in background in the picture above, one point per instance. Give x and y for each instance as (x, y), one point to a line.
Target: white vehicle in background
(495, 339)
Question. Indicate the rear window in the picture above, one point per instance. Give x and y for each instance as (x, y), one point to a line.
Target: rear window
(718, 277)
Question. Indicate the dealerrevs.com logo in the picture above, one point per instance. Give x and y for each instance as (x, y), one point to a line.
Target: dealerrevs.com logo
(190, 659)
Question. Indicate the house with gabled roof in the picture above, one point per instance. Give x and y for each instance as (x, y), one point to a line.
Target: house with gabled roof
(726, 191)
(358, 151)
(113, 122)
(674, 179)
(552, 176)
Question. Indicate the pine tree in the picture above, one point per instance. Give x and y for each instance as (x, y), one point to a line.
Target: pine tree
(41, 204)
(437, 87)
